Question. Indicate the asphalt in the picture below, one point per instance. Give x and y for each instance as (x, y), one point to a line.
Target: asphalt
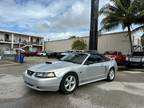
(127, 91)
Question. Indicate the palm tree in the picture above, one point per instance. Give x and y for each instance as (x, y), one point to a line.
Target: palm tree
(140, 15)
(142, 40)
(124, 13)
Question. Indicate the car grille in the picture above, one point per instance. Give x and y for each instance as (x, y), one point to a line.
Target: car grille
(30, 73)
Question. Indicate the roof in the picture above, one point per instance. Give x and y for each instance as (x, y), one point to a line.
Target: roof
(6, 31)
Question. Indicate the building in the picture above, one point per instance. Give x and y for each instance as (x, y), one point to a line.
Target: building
(10, 40)
(106, 42)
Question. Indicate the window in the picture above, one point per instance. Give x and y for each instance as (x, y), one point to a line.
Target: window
(74, 58)
(95, 59)
(6, 37)
(37, 40)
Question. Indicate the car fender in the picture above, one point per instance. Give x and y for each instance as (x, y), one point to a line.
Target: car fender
(112, 64)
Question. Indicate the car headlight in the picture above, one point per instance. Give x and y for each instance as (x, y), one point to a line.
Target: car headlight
(45, 75)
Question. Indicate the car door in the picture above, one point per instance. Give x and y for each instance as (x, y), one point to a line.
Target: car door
(94, 68)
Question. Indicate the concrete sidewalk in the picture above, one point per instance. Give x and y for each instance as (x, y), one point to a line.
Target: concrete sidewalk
(7, 63)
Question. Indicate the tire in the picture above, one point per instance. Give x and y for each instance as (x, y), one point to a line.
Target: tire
(69, 83)
(128, 65)
(111, 75)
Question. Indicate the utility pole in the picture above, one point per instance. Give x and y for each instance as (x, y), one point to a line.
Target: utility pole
(93, 38)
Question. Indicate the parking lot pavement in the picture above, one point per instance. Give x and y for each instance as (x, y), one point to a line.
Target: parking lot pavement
(127, 91)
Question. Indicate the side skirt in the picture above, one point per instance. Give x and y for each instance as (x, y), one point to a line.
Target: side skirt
(92, 81)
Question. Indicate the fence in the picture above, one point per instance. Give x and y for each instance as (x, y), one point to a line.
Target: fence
(7, 55)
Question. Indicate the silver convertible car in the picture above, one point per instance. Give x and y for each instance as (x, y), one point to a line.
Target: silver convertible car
(71, 71)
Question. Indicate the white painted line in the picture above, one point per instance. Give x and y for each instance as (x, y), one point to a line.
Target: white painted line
(129, 87)
(137, 69)
(133, 72)
(2, 74)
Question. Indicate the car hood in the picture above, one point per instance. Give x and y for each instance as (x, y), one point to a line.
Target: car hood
(44, 67)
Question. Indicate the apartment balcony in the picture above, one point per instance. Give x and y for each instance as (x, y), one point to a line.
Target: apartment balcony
(23, 42)
(36, 43)
(5, 41)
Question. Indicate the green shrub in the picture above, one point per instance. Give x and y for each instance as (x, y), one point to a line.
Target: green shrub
(79, 44)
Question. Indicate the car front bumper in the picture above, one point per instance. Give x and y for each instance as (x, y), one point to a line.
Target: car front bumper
(133, 63)
(42, 84)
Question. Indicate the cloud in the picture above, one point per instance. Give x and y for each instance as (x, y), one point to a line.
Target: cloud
(75, 18)
(51, 18)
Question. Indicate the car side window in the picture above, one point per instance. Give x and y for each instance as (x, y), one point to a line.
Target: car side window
(119, 53)
(94, 59)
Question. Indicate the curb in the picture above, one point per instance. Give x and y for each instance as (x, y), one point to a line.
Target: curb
(9, 65)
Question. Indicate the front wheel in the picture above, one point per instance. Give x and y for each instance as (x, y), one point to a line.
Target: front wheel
(69, 83)
(111, 75)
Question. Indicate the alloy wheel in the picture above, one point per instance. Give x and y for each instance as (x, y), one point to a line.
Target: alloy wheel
(70, 83)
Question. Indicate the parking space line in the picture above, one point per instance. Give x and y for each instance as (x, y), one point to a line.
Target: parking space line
(133, 72)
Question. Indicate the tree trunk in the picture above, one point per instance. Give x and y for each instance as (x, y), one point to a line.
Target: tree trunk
(130, 38)
(93, 38)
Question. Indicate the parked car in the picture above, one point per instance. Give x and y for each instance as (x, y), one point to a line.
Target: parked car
(62, 54)
(116, 55)
(135, 59)
(51, 54)
(42, 53)
(29, 53)
(71, 71)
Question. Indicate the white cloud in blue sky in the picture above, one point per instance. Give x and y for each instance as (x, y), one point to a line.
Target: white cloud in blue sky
(54, 19)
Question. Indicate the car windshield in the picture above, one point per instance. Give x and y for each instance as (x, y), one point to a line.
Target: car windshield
(74, 58)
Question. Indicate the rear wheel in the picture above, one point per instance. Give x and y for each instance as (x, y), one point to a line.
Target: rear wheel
(128, 65)
(69, 83)
(111, 75)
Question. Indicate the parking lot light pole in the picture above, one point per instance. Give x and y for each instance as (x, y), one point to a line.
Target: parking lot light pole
(93, 38)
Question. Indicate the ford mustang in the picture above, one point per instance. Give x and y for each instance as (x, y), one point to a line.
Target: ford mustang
(71, 71)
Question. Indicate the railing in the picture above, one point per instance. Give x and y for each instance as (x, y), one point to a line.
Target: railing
(36, 43)
(22, 42)
(1, 40)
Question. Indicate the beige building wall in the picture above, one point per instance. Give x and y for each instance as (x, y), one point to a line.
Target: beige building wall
(2, 36)
(106, 42)
(114, 42)
(60, 45)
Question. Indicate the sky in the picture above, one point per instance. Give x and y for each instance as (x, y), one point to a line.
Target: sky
(53, 19)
